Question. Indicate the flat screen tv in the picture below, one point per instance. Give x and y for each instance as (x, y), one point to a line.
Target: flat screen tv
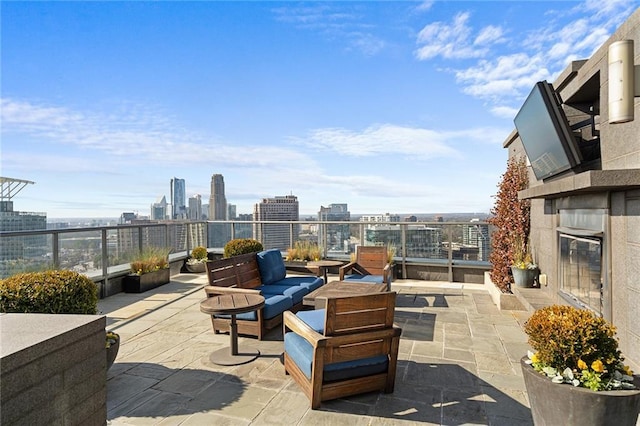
(545, 133)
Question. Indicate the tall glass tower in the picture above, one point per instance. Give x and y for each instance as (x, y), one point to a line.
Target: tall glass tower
(178, 199)
(217, 201)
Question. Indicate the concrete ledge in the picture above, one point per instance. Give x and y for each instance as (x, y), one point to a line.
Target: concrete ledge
(504, 301)
(53, 369)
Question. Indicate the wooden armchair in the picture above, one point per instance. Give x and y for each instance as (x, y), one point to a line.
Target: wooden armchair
(371, 265)
(351, 347)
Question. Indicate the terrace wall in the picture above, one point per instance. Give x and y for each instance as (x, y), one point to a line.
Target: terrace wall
(53, 369)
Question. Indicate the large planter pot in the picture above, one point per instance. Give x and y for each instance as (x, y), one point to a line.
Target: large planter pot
(112, 353)
(133, 283)
(195, 268)
(524, 277)
(563, 404)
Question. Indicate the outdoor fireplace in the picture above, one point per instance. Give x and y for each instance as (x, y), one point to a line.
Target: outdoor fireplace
(581, 238)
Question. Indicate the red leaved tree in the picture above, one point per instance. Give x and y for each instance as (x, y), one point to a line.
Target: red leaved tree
(511, 219)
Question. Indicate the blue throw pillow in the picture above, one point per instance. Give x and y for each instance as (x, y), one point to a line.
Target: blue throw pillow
(271, 266)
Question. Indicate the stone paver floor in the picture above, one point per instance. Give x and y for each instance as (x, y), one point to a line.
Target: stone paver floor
(458, 365)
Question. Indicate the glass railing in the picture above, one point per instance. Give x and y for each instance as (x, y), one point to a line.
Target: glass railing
(100, 252)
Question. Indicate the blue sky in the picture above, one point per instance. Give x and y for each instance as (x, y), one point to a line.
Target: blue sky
(387, 106)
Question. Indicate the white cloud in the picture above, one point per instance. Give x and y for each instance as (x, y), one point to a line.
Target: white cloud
(136, 134)
(454, 40)
(488, 35)
(504, 112)
(537, 54)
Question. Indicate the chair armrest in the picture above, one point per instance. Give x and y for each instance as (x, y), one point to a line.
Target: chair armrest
(212, 290)
(345, 268)
(295, 324)
(346, 339)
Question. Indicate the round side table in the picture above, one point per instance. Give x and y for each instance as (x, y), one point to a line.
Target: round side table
(232, 304)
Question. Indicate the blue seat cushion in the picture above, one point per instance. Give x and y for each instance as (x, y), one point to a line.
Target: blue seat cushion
(296, 293)
(274, 305)
(311, 283)
(365, 278)
(271, 266)
(314, 319)
(301, 353)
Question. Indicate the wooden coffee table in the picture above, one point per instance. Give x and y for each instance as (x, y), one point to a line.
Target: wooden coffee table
(317, 298)
(232, 304)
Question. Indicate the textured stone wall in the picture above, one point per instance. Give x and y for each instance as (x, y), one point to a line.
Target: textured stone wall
(52, 369)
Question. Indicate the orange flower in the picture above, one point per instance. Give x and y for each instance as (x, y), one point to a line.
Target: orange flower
(582, 365)
(597, 366)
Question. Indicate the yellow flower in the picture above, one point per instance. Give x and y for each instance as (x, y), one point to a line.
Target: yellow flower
(628, 371)
(582, 365)
(597, 366)
(535, 358)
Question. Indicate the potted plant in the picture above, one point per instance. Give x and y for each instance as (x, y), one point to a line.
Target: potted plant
(575, 374)
(149, 269)
(112, 345)
(196, 263)
(524, 270)
(304, 251)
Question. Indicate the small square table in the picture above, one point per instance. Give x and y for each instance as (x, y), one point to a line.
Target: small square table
(341, 288)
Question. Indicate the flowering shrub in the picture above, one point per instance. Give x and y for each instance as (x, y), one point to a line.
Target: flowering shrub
(577, 347)
(112, 338)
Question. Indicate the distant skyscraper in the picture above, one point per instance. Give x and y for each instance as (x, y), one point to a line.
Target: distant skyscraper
(32, 249)
(231, 211)
(217, 200)
(279, 208)
(159, 209)
(195, 207)
(334, 237)
(178, 199)
(477, 235)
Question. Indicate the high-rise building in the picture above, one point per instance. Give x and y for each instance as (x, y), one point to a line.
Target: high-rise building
(159, 209)
(217, 200)
(15, 252)
(279, 208)
(337, 235)
(178, 199)
(477, 235)
(387, 217)
(195, 207)
(231, 211)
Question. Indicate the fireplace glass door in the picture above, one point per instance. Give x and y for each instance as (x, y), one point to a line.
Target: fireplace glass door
(581, 271)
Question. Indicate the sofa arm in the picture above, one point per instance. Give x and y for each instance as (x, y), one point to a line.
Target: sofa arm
(345, 268)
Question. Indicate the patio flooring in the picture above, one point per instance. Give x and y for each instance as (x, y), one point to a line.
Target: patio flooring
(458, 364)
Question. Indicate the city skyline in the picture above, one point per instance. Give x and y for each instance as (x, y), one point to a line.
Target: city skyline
(387, 106)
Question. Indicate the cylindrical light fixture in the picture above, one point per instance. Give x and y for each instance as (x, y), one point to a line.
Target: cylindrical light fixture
(621, 81)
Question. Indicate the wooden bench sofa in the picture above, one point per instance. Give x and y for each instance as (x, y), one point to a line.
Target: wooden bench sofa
(262, 273)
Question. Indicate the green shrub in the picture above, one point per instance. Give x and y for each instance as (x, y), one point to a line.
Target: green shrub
(49, 292)
(242, 246)
(199, 253)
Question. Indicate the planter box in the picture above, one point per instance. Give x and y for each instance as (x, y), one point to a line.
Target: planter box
(563, 404)
(133, 283)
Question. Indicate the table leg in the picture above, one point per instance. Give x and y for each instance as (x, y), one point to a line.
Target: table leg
(231, 355)
(233, 334)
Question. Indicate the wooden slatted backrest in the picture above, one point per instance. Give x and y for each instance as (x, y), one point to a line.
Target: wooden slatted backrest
(359, 327)
(371, 259)
(237, 271)
(351, 314)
